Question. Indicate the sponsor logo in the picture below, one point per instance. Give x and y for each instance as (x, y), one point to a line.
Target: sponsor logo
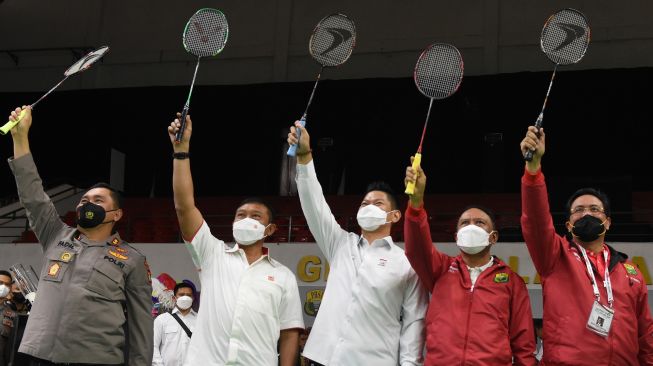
(339, 37)
(382, 262)
(313, 301)
(501, 277)
(572, 33)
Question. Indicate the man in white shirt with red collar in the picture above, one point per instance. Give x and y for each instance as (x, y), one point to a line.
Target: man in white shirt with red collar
(171, 339)
(249, 300)
(373, 308)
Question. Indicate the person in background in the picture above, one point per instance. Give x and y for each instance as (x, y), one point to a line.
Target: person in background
(173, 331)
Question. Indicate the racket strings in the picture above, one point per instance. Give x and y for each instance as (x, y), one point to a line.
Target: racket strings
(333, 40)
(86, 61)
(206, 33)
(439, 71)
(565, 37)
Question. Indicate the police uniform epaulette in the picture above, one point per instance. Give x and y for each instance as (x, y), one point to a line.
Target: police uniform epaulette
(117, 242)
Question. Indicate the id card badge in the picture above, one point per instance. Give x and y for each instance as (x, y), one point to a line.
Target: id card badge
(600, 319)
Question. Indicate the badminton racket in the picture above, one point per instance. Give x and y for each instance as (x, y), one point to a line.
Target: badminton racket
(564, 40)
(438, 74)
(81, 65)
(205, 34)
(331, 44)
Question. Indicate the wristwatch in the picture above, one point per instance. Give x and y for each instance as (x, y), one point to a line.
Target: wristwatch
(181, 155)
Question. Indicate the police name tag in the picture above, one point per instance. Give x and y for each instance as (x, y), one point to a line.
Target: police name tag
(600, 319)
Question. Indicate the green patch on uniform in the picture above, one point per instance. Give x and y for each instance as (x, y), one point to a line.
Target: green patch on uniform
(501, 278)
(630, 269)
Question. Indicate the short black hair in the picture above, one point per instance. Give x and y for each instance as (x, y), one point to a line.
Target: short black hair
(260, 201)
(487, 210)
(6, 273)
(183, 285)
(115, 194)
(592, 192)
(385, 188)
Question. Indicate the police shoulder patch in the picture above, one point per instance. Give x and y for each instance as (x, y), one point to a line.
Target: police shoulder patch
(501, 277)
(630, 269)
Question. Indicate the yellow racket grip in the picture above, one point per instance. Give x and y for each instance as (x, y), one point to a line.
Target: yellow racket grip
(10, 124)
(410, 187)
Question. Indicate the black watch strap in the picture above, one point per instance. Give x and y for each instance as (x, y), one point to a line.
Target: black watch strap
(181, 155)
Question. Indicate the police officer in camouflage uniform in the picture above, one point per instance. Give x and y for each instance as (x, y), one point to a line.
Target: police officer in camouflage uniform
(94, 291)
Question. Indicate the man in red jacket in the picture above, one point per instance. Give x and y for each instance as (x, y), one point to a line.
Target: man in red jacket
(595, 301)
(479, 313)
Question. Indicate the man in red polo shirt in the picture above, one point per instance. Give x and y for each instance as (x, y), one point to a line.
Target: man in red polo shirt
(595, 301)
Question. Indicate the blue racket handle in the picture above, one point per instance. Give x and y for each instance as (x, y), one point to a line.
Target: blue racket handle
(292, 150)
(182, 127)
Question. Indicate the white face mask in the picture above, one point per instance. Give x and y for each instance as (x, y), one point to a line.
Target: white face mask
(472, 239)
(371, 217)
(4, 290)
(248, 231)
(184, 302)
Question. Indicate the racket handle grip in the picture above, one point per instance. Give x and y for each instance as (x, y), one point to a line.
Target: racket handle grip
(11, 124)
(538, 124)
(182, 127)
(410, 187)
(292, 150)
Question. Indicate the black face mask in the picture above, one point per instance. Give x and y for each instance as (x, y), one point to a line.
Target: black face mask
(588, 228)
(90, 215)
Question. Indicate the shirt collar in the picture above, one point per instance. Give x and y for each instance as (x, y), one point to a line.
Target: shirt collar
(176, 310)
(113, 239)
(483, 267)
(266, 255)
(386, 241)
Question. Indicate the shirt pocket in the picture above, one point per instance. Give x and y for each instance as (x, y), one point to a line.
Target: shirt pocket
(264, 296)
(170, 332)
(57, 265)
(107, 281)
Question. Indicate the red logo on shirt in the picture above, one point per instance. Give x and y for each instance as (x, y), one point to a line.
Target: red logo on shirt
(271, 278)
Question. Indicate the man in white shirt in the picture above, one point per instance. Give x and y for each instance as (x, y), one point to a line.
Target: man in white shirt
(250, 302)
(170, 338)
(373, 308)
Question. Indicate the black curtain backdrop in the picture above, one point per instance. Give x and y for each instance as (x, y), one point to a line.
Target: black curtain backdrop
(598, 126)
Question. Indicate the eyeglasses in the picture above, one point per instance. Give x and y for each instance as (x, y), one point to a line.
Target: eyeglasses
(593, 210)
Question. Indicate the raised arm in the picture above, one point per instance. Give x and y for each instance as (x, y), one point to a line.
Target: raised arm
(190, 218)
(42, 215)
(323, 225)
(544, 245)
(427, 262)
